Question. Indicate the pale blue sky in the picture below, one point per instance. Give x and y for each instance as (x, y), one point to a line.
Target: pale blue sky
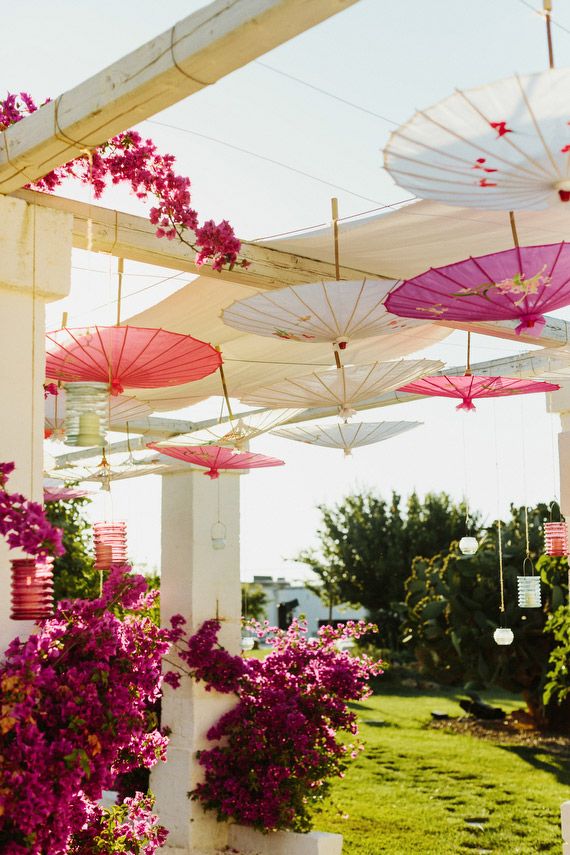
(389, 58)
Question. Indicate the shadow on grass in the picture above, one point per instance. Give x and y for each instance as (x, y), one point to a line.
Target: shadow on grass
(552, 759)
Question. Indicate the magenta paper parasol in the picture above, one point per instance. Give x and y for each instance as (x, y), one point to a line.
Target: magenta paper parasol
(63, 494)
(216, 457)
(133, 357)
(517, 284)
(471, 386)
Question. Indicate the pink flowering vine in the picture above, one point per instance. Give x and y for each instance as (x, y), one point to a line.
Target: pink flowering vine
(277, 748)
(75, 712)
(130, 159)
(24, 524)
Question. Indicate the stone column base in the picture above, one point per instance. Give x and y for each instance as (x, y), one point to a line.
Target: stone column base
(248, 841)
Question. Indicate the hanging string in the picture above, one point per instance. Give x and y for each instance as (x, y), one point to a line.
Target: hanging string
(499, 531)
(465, 487)
(501, 575)
(523, 469)
(33, 402)
(334, 211)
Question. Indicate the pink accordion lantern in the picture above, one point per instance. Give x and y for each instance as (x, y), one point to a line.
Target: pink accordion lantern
(32, 588)
(110, 542)
(556, 539)
(521, 284)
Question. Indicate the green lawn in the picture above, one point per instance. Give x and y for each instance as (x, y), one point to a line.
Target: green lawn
(416, 791)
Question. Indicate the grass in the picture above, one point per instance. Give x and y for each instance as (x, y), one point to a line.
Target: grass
(415, 790)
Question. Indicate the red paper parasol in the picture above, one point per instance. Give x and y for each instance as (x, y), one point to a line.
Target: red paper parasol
(472, 386)
(517, 284)
(216, 457)
(133, 357)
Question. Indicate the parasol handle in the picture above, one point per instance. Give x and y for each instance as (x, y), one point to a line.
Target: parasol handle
(514, 228)
(334, 209)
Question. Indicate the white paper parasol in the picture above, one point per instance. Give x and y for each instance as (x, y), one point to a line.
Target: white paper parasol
(346, 436)
(334, 311)
(341, 387)
(235, 433)
(503, 147)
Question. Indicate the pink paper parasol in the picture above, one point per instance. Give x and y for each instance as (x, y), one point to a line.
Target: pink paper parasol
(133, 357)
(63, 494)
(216, 457)
(472, 386)
(517, 284)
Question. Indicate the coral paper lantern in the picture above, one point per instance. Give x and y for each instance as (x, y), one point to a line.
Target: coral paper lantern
(216, 457)
(134, 357)
(502, 146)
(556, 539)
(110, 541)
(523, 283)
(32, 588)
(467, 388)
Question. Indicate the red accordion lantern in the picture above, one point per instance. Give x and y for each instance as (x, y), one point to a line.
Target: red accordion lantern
(32, 588)
(556, 538)
(110, 541)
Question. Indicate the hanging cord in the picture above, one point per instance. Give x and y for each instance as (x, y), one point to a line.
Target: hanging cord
(120, 271)
(499, 531)
(468, 372)
(527, 558)
(33, 402)
(547, 6)
(466, 488)
(334, 210)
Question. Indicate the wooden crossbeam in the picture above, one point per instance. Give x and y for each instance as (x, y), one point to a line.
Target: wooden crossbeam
(133, 237)
(196, 52)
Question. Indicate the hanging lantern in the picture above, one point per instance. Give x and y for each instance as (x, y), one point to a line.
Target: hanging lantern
(503, 635)
(110, 541)
(87, 413)
(468, 545)
(218, 535)
(556, 539)
(529, 592)
(32, 588)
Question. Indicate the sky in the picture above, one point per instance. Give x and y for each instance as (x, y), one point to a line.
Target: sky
(267, 152)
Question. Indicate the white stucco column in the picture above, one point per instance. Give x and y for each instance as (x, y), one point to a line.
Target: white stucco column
(35, 268)
(559, 402)
(198, 582)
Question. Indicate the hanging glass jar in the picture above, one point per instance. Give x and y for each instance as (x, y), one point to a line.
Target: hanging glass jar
(86, 414)
(218, 535)
(528, 587)
(32, 588)
(110, 542)
(556, 539)
(468, 545)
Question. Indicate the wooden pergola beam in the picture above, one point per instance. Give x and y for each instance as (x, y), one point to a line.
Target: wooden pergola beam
(196, 52)
(132, 237)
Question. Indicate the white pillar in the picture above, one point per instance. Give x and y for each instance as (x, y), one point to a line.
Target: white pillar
(200, 583)
(565, 811)
(35, 268)
(559, 402)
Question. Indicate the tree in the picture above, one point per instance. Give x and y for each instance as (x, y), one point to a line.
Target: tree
(253, 601)
(453, 610)
(74, 573)
(367, 545)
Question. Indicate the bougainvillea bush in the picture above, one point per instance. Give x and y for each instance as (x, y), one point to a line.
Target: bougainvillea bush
(75, 713)
(130, 159)
(278, 746)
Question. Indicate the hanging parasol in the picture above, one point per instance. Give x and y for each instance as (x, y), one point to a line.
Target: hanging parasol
(103, 471)
(122, 409)
(236, 432)
(504, 146)
(521, 284)
(467, 388)
(342, 387)
(125, 356)
(63, 494)
(215, 457)
(318, 312)
(346, 436)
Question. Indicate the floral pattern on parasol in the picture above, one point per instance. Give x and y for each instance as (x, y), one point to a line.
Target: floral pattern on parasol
(216, 457)
(520, 284)
(335, 311)
(504, 146)
(342, 387)
(467, 388)
(125, 356)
